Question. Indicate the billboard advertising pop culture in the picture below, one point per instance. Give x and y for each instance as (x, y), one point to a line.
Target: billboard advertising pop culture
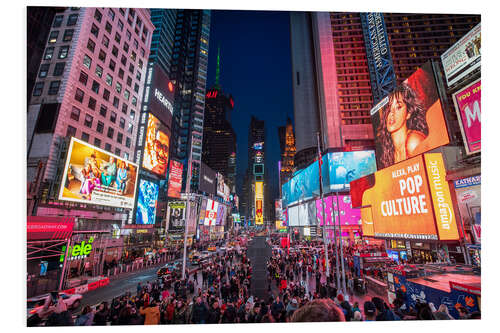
(176, 215)
(211, 212)
(409, 200)
(220, 184)
(94, 176)
(156, 147)
(175, 179)
(410, 120)
(468, 107)
(147, 197)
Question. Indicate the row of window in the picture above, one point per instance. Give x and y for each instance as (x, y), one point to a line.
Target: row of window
(67, 37)
(71, 131)
(49, 52)
(53, 88)
(59, 19)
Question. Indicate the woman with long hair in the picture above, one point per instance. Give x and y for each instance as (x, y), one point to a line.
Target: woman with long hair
(402, 126)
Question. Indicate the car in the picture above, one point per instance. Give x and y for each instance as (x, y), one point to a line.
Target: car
(212, 248)
(169, 268)
(196, 259)
(222, 248)
(36, 304)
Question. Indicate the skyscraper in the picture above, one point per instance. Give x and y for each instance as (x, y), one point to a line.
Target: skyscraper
(162, 43)
(287, 148)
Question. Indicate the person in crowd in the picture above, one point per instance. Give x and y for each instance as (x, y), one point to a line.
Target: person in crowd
(319, 310)
(101, 316)
(152, 313)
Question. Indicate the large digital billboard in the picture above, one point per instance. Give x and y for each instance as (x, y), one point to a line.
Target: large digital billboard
(94, 176)
(156, 147)
(338, 170)
(348, 215)
(220, 184)
(159, 93)
(201, 219)
(211, 212)
(468, 107)
(220, 214)
(259, 202)
(175, 179)
(176, 216)
(410, 120)
(463, 57)
(147, 197)
(409, 200)
(208, 179)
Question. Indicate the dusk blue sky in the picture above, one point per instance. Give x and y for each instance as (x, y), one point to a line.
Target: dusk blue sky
(256, 70)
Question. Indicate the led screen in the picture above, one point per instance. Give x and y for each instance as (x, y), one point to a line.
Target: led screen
(156, 147)
(177, 215)
(146, 202)
(175, 179)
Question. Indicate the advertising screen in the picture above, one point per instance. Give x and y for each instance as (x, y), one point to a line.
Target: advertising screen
(94, 176)
(208, 179)
(408, 202)
(468, 107)
(259, 197)
(211, 212)
(220, 214)
(159, 93)
(220, 184)
(348, 215)
(176, 215)
(227, 192)
(147, 197)
(175, 179)
(410, 120)
(293, 216)
(203, 207)
(463, 57)
(258, 145)
(156, 147)
(277, 208)
(258, 169)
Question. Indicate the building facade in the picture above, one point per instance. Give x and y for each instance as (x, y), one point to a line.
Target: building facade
(287, 148)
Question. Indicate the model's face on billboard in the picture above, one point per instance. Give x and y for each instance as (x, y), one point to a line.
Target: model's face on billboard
(398, 114)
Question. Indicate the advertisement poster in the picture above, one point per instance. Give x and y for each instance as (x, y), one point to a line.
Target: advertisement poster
(208, 179)
(211, 212)
(220, 215)
(468, 106)
(348, 215)
(156, 147)
(220, 184)
(176, 215)
(203, 207)
(94, 176)
(49, 227)
(259, 197)
(278, 211)
(410, 120)
(147, 197)
(175, 179)
(463, 57)
(227, 192)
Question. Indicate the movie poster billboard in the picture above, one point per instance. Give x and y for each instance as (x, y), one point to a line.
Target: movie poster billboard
(175, 179)
(211, 213)
(468, 107)
(147, 197)
(156, 147)
(220, 184)
(409, 200)
(410, 120)
(463, 57)
(201, 219)
(259, 202)
(94, 176)
(176, 216)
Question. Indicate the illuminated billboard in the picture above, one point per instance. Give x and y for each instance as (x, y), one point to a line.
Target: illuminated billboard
(258, 169)
(175, 179)
(156, 147)
(176, 215)
(278, 210)
(203, 207)
(409, 200)
(348, 215)
(410, 120)
(208, 179)
(94, 176)
(259, 202)
(147, 197)
(258, 145)
(220, 184)
(220, 214)
(468, 107)
(211, 212)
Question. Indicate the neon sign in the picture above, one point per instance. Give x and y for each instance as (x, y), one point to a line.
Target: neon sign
(77, 251)
(163, 100)
(212, 94)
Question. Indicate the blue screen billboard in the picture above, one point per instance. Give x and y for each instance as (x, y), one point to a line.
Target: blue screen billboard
(146, 202)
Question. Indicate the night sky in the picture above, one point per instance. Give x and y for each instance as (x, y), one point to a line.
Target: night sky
(256, 70)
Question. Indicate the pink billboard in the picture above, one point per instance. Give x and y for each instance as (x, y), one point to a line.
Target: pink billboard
(468, 106)
(348, 215)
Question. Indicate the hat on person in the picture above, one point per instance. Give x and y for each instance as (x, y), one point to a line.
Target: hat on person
(340, 298)
(369, 308)
(294, 301)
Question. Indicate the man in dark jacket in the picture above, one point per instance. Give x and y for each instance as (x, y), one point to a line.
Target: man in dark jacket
(229, 315)
(214, 314)
(199, 312)
(276, 308)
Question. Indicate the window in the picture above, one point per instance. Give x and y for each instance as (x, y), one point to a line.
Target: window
(59, 69)
(100, 127)
(124, 60)
(107, 147)
(105, 40)
(105, 94)
(112, 65)
(127, 142)
(134, 101)
(119, 137)
(120, 25)
(91, 45)
(111, 132)
(114, 51)
(108, 27)
(94, 30)
(75, 113)
(95, 86)
(116, 102)
(92, 103)
(79, 95)
(102, 55)
(113, 117)
(130, 128)
(129, 81)
(87, 61)
(124, 108)
(125, 156)
(53, 36)
(88, 120)
(129, 35)
(138, 76)
(111, 14)
(44, 69)
(71, 131)
(126, 94)
(57, 21)
(131, 68)
(132, 115)
(136, 43)
(121, 73)
(72, 19)
(109, 80)
(83, 78)
(136, 88)
(37, 89)
(117, 151)
(118, 87)
(122, 123)
(63, 52)
(98, 70)
(85, 137)
(98, 15)
(54, 87)
(97, 142)
(49, 51)
(125, 47)
(103, 110)
(68, 35)
(122, 11)
(142, 52)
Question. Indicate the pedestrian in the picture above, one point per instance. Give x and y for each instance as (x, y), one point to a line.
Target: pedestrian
(151, 313)
(370, 311)
(86, 317)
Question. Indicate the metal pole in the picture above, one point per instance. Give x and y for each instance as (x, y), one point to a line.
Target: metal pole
(325, 243)
(61, 281)
(341, 248)
(188, 192)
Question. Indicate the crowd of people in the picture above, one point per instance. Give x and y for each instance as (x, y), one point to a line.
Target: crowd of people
(221, 294)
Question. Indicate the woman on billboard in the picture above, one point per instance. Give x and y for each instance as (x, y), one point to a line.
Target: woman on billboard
(403, 126)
